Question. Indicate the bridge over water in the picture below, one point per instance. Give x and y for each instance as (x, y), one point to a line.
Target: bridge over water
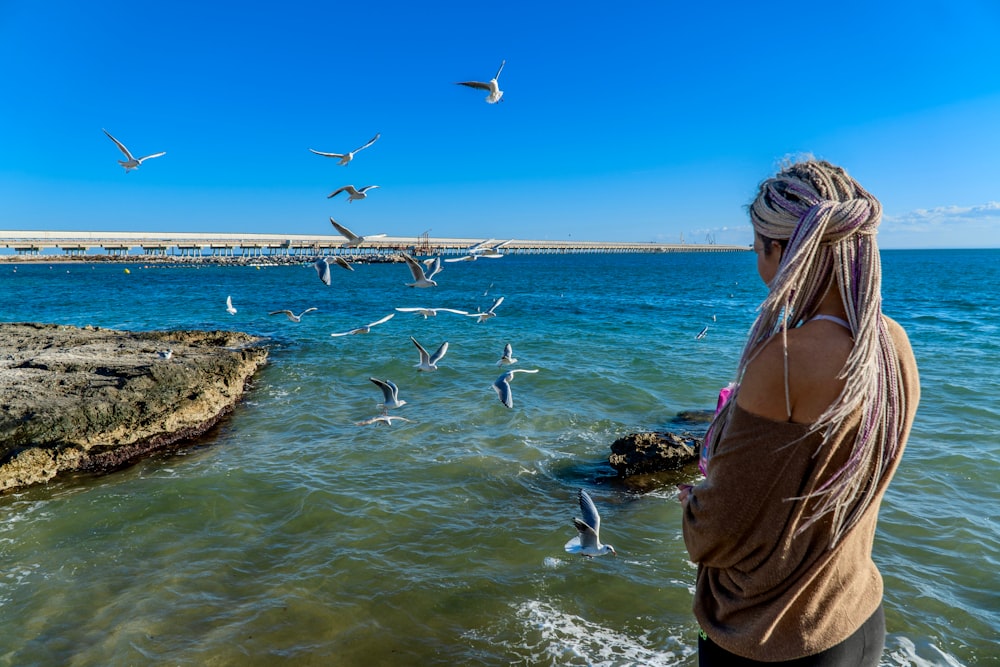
(258, 245)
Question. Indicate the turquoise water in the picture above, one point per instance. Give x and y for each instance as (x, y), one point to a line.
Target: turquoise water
(289, 535)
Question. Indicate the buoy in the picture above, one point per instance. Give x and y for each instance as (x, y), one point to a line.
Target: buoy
(127, 271)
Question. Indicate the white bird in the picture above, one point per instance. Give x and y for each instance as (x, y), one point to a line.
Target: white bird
(502, 385)
(352, 192)
(463, 258)
(132, 162)
(164, 354)
(428, 362)
(390, 394)
(292, 316)
(322, 265)
(489, 248)
(367, 328)
(434, 265)
(353, 240)
(347, 157)
(385, 419)
(431, 312)
(419, 278)
(495, 94)
(588, 542)
(508, 356)
(229, 305)
(701, 334)
(489, 313)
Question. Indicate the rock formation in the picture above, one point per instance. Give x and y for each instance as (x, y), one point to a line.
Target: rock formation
(91, 399)
(642, 453)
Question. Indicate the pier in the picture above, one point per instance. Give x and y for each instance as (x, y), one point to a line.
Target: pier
(183, 244)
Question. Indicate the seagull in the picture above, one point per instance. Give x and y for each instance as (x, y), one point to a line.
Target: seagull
(132, 162)
(429, 362)
(347, 157)
(701, 334)
(463, 258)
(434, 264)
(419, 278)
(367, 328)
(431, 312)
(322, 265)
(292, 316)
(352, 192)
(508, 356)
(385, 419)
(353, 240)
(588, 542)
(492, 86)
(390, 393)
(489, 248)
(229, 305)
(165, 354)
(502, 385)
(489, 313)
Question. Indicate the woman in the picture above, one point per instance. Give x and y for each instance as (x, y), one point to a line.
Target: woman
(801, 454)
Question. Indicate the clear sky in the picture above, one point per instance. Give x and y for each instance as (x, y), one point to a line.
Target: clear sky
(633, 121)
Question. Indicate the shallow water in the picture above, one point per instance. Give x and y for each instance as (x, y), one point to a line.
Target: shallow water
(289, 535)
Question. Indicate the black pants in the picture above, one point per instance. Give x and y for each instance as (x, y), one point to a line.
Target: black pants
(862, 649)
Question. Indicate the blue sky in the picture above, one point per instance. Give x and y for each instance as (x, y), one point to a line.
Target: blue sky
(620, 121)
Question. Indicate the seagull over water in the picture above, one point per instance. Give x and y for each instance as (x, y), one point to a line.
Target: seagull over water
(353, 240)
(345, 158)
(292, 316)
(131, 162)
(390, 393)
(588, 542)
(431, 312)
(420, 279)
(502, 385)
(428, 362)
(384, 419)
(489, 313)
(367, 328)
(495, 94)
(508, 356)
(352, 192)
(322, 265)
(229, 305)
(701, 334)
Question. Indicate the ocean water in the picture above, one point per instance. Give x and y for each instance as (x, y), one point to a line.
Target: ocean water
(289, 535)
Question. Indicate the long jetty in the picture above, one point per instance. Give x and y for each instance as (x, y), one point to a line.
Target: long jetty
(183, 244)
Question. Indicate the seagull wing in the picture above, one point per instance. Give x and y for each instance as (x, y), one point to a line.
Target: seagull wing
(160, 154)
(370, 142)
(590, 516)
(474, 84)
(587, 539)
(343, 262)
(451, 310)
(349, 188)
(383, 320)
(367, 188)
(287, 313)
(323, 269)
(502, 63)
(502, 387)
(120, 145)
(307, 310)
(336, 155)
(495, 304)
(424, 357)
(389, 390)
(441, 351)
(415, 268)
(348, 234)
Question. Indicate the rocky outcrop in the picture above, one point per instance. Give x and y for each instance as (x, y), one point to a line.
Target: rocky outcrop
(642, 453)
(91, 399)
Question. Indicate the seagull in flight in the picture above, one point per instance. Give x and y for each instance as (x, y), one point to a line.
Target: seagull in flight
(132, 162)
(495, 94)
(292, 316)
(420, 279)
(229, 305)
(431, 312)
(502, 385)
(384, 419)
(588, 542)
(489, 313)
(352, 192)
(701, 334)
(428, 362)
(322, 265)
(367, 328)
(390, 394)
(508, 356)
(353, 240)
(345, 158)
(433, 264)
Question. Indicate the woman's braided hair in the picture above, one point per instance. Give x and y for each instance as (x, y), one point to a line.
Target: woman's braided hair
(827, 223)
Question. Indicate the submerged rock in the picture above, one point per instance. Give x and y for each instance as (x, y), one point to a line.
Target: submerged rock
(91, 399)
(642, 453)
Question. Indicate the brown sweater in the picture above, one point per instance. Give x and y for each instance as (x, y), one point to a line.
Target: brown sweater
(762, 592)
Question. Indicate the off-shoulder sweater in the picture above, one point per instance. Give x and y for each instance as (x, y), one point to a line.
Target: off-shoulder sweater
(763, 592)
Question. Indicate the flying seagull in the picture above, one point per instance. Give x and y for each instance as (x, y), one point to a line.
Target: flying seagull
(367, 328)
(428, 362)
(384, 419)
(419, 278)
(322, 265)
(588, 542)
(701, 334)
(132, 162)
(353, 240)
(292, 316)
(352, 192)
(495, 94)
(229, 305)
(489, 313)
(431, 312)
(390, 393)
(508, 356)
(502, 385)
(347, 157)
